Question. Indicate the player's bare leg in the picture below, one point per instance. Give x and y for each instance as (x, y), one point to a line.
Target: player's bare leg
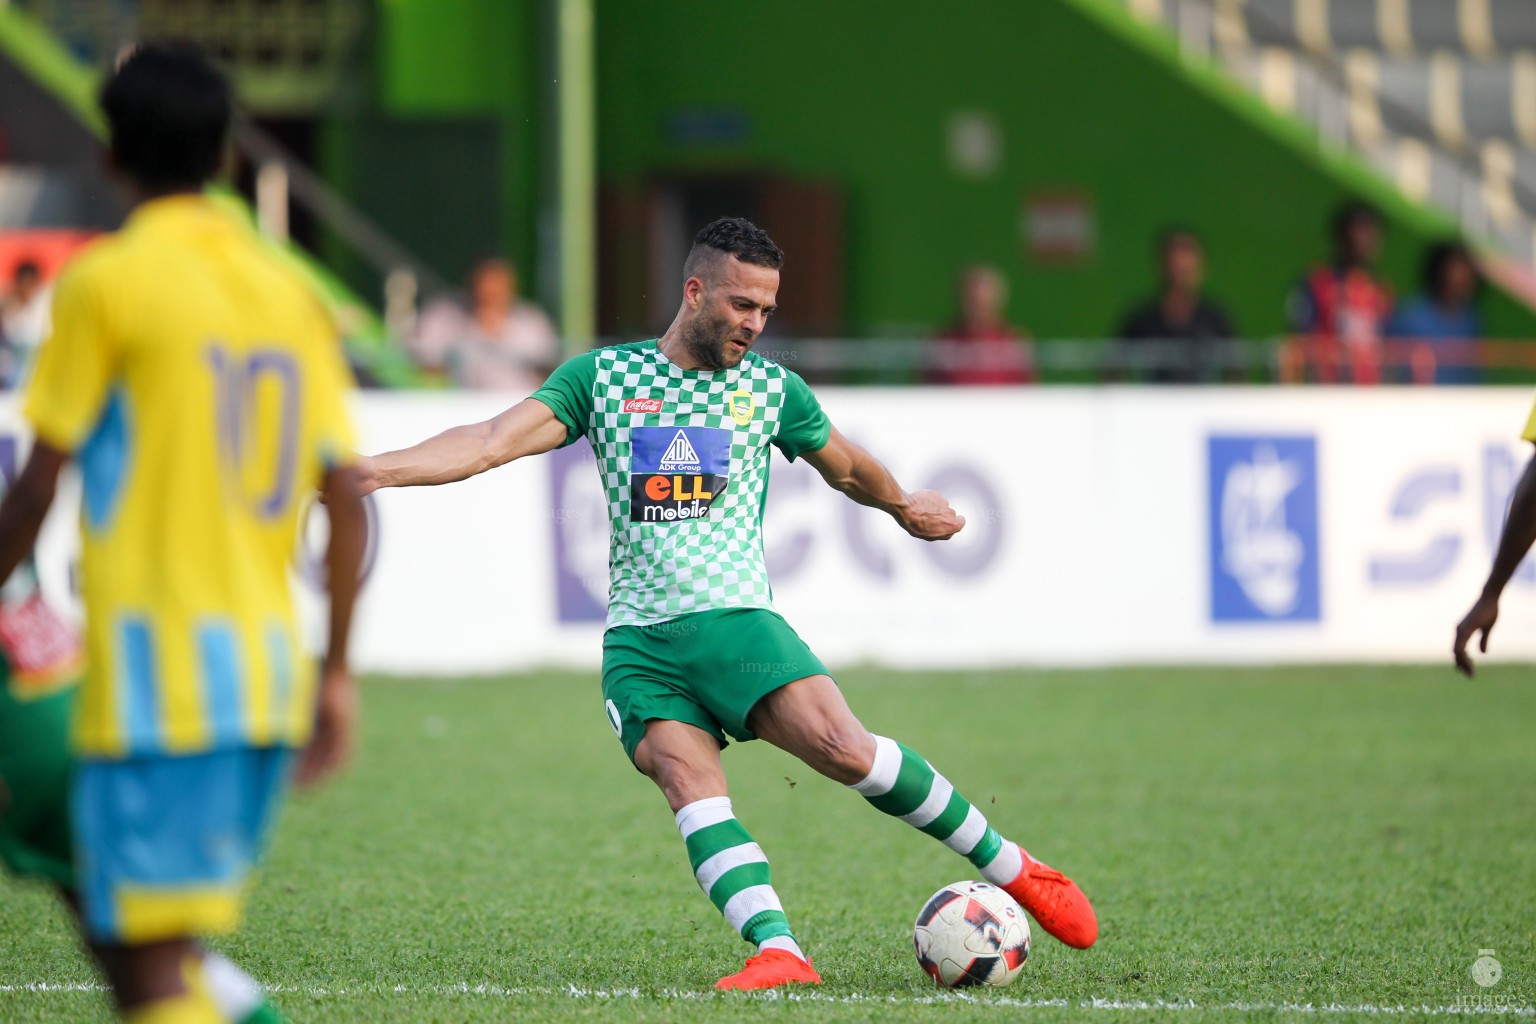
(684, 761)
(810, 719)
(237, 995)
(158, 981)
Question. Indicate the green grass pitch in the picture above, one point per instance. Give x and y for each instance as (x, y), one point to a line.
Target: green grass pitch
(1273, 844)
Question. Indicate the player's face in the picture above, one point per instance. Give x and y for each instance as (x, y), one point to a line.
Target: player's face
(732, 311)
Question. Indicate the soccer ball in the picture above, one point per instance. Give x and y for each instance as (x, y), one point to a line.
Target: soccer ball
(971, 933)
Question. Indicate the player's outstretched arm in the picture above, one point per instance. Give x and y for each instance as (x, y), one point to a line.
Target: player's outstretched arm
(528, 428)
(26, 505)
(858, 474)
(1518, 536)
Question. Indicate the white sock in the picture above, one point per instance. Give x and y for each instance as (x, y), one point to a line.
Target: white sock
(783, 942)
(1005, 867)
(234, 992)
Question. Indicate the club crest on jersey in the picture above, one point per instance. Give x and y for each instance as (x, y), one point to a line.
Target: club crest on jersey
(742, 406)
(676, 473)
(642, 405)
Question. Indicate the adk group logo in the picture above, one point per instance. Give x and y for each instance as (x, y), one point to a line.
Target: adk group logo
(1263, 529)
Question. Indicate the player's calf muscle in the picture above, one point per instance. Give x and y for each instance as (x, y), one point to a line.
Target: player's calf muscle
(841, 753)
(682, 783)
(810, 719)
(683, 762)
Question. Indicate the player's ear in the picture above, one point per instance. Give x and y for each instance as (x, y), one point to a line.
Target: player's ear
(693, 292)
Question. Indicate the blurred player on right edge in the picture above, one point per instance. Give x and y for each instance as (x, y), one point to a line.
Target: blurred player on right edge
(1518, 536)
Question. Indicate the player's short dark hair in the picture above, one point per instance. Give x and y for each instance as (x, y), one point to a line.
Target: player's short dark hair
(168, 111)
(26, 268)
(732, 236)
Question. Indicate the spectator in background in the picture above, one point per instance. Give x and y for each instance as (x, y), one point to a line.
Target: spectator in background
(499, 342)
(10, 364)
(982, 347)
(1444, 316)
(24, 312)
(1340, 310)
(1183, 332)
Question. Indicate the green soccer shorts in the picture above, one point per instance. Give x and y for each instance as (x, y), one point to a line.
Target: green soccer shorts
(708, 669)
(36, 770)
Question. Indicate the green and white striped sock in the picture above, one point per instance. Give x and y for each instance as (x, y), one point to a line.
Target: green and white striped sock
(733, 872)
(905, 786)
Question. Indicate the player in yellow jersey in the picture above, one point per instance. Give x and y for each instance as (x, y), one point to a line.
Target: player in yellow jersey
(200, 387)
(1514, 544)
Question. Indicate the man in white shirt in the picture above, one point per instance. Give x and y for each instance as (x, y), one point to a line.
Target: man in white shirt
(502, 342)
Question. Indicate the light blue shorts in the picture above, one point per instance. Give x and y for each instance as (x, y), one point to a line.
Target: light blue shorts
(164, 845)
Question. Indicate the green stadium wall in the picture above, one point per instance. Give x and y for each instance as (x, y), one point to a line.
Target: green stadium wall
(441, 146)
(1088, 102)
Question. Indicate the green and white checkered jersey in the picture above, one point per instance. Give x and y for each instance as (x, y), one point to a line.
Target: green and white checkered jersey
(683, 456)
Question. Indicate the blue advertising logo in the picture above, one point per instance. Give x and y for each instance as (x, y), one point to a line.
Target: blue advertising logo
(677, 472)
(579, 521)
(1263, 525)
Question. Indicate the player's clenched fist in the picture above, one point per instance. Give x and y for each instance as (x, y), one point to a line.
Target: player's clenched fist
(929, 516)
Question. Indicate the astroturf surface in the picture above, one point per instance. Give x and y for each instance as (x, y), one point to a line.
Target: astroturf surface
(1296, 843)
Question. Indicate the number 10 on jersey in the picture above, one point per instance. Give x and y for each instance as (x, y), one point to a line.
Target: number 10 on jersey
(256, 407)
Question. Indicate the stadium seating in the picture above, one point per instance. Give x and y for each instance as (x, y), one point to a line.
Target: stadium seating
(1440, 95)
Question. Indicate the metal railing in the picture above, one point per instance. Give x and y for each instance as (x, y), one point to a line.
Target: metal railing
(282, 177)
(1274, 360)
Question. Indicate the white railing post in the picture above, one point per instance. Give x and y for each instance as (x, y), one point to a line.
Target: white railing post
(272, 199)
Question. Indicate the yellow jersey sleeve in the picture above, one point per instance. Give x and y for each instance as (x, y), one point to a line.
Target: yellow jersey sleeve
(75, 368)
(1529, 434)
(335, 443)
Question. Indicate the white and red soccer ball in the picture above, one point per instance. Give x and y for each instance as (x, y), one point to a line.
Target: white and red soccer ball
(971, 933)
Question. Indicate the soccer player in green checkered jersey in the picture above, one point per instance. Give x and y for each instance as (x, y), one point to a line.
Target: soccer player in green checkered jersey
(694, 652)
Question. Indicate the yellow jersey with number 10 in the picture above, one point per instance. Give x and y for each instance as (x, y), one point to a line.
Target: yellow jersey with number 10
(200, 386)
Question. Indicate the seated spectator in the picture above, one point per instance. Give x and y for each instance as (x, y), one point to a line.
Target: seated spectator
(1179, 333)
(499, 341)
(1444, 316)
(982, 347)
(1340, 310)
(25, 314)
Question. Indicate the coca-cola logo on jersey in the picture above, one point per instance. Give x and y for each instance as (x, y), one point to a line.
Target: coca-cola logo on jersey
(642, 405)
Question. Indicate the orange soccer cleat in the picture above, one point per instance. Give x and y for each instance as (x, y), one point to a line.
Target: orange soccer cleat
(770, 969)
(1056, 902)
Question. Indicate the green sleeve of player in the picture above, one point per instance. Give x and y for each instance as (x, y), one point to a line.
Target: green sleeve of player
(568, 392)
(803, 427)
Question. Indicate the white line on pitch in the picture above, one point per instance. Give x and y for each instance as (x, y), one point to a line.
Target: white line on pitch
(815, 996)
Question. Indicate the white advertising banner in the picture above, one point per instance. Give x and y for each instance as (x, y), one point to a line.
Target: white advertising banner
(1104, 525)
